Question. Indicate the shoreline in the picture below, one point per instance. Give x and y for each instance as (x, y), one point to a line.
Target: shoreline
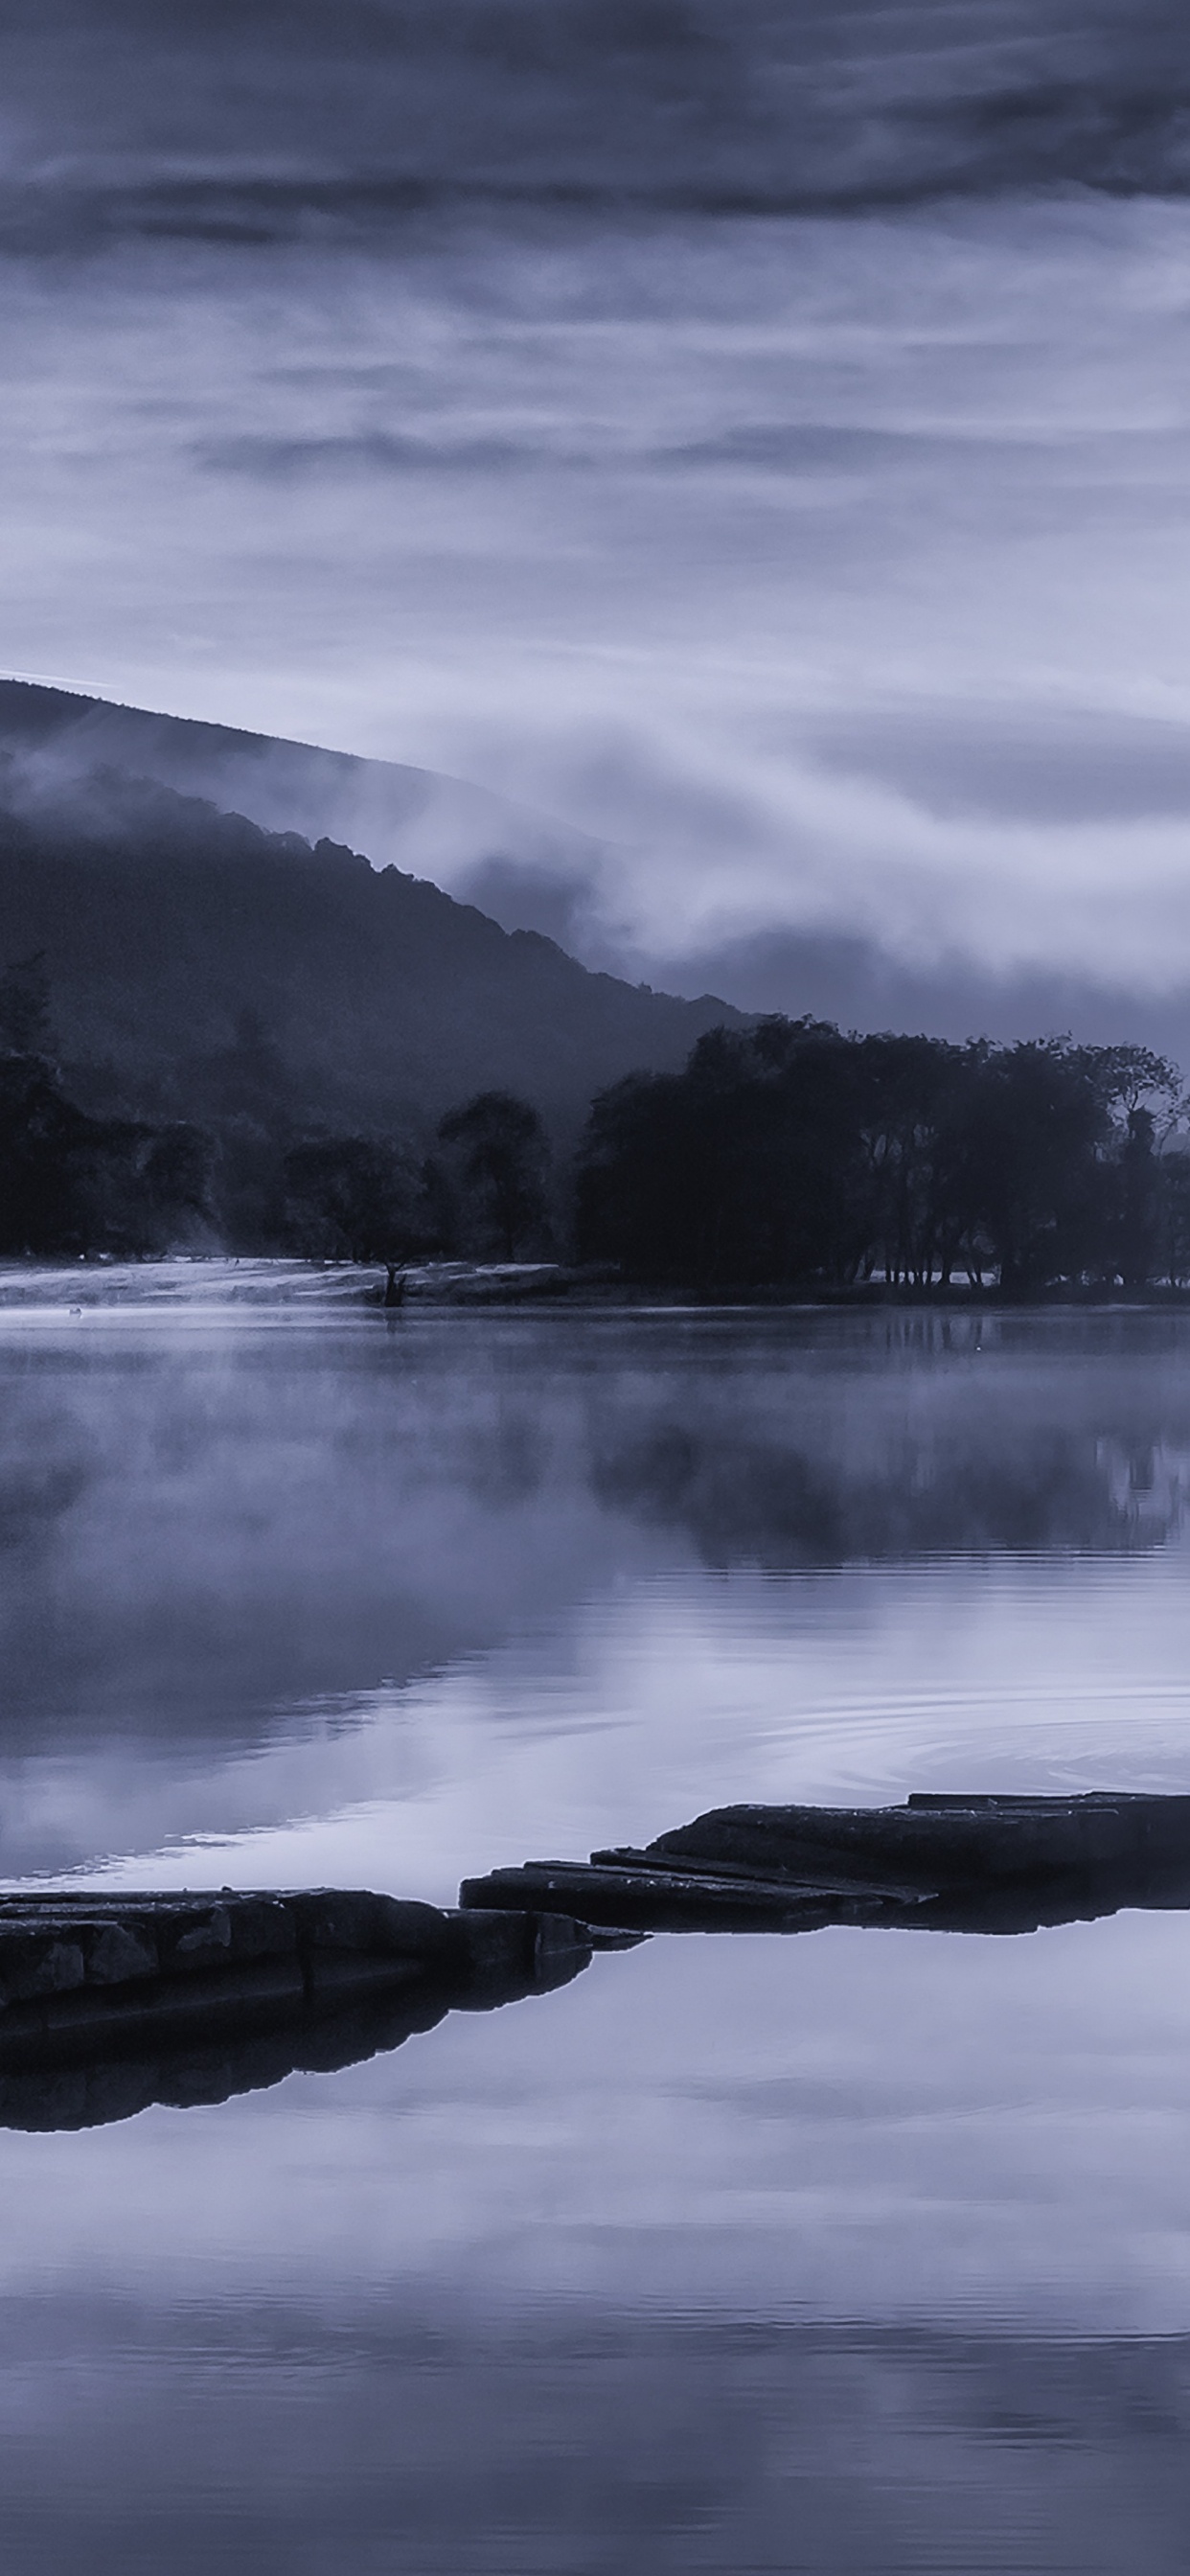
(224, 1282)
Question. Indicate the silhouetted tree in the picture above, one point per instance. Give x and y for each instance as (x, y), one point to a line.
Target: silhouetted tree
(498, 1148)
(350, 1198)
(914, 1095)
(1132, 1077)
(1141, 1093)
(42, 1140)
(1174, 1217)
(1138, 1228)
(72, 1184)
(749, 1167)
(791, 1154)
(177, 1179)
(640, 1180)
(1035, 1123)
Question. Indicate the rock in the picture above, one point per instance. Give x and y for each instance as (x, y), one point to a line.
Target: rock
(636, 1899)
(516, 1950)
(974, 1864)
(34, 1961)
(205, 1940)
(355, 1920)
(935, 1843)
(183, 2039)
(115, 1953)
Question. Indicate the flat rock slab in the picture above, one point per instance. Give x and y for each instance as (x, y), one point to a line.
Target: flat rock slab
(628, 1892)
(936, 1842)
(86, 1968)
(943, 1863)
(110, 1999)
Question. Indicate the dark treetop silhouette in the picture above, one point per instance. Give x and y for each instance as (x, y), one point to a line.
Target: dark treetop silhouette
(785, 1157)
(791, 1155)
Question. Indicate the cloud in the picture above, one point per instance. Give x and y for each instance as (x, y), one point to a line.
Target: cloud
(1018, 764)
(728, 840)
(830, 572)
(268, 458)
(261, 121)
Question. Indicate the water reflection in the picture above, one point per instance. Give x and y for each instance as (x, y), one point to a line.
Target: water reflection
(783, 2450)
(855, 2252)
(69, 2074)
(199, 1530)
(258, 1573)
(904, 1443)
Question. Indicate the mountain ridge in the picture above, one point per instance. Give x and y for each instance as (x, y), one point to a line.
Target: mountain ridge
(200, 964)
(420, 819)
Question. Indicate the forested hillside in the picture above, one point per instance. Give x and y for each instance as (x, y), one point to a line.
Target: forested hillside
(201, 967)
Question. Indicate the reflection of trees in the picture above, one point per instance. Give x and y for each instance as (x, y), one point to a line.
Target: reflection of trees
(747, 1495)
(44, 1469)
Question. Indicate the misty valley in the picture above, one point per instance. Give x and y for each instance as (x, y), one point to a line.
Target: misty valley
(216, 1038)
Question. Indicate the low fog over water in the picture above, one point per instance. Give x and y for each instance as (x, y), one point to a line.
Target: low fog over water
(249, 1552)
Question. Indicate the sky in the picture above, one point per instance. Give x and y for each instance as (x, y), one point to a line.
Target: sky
(754, 434)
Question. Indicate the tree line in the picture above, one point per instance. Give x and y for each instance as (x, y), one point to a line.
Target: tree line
(784, 1156)
(791, 1155)
(250, 1179)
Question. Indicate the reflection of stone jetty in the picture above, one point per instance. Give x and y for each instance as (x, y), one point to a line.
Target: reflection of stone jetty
(110, 2002)
(950, 1863)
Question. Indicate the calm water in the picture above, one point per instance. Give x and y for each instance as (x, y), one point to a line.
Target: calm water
(856, 2251)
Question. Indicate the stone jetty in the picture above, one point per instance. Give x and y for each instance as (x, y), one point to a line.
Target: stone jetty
(110, 2001)
(953, 1863)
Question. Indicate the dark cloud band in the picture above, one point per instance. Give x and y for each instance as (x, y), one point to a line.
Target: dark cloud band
(261, 122)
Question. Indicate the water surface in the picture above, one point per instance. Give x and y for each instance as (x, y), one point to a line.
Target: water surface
(856, 2251)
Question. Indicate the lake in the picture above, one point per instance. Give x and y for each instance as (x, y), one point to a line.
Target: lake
(861, 2251)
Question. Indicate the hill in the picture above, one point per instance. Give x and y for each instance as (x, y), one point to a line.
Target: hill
(415, 819)
(200, 966)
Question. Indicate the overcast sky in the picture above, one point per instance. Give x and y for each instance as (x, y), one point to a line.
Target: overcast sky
(756, 433)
